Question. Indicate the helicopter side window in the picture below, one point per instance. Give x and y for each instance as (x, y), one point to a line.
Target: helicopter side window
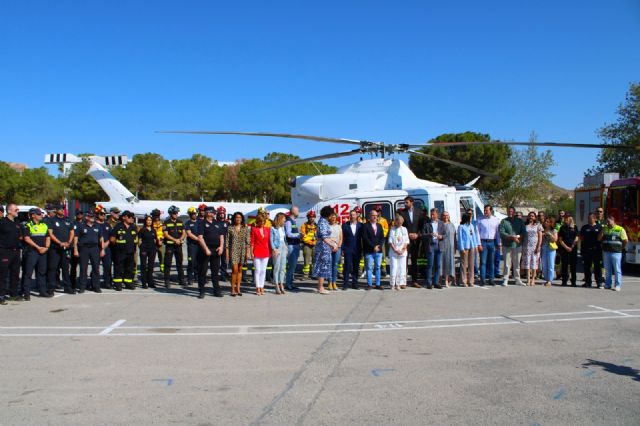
(386, 209)
(417, 204)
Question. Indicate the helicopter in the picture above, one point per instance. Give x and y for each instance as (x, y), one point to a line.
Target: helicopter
(384, 181)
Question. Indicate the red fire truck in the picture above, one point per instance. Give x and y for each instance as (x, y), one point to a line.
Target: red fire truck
(620, 198)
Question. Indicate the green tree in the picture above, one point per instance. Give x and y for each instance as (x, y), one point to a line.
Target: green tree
(531, 180)
(8, 185)
(492, 157)
(37, 186)
(625, 131)
(148, 175)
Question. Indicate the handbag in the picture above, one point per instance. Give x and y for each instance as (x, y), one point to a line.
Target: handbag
(553, 246)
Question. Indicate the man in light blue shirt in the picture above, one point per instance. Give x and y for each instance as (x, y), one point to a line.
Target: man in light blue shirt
(488, 228)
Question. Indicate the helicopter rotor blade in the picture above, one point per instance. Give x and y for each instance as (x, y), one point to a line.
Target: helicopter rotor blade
(275, 135)
(309, 159)
(453, 163)
(548, 144)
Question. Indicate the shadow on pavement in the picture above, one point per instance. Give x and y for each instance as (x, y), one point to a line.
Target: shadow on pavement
(620, 370)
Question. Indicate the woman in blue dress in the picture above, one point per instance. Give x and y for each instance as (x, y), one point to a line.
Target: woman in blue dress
(324, 247)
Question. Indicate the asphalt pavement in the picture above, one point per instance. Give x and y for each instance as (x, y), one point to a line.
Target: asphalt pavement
(481, 356)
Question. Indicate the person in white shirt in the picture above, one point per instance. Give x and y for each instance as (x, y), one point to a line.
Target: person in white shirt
(488, 228)
(398, 245)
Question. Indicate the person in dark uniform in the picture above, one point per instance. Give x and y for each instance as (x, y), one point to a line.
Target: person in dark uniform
(211, 240)
(591, 251)
(36, 240)
(105, 232)
(191, 226)
(50, 213)
(174, 236)
(87, 248)
(567, 245)
(10, 235)
(61, 233)
(221, 213)
(414, 222)
(74, 261)
(148, 243)
(124, 240)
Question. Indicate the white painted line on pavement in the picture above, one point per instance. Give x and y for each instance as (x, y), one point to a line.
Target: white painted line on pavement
(607, 310)
(326, 331)
(112, 327)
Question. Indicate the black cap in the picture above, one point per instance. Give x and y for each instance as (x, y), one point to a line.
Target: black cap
(59, 206)
(35, 210)
(127, 213)
(209, 209)
(89, 214)
(49, 207)
(79, 213)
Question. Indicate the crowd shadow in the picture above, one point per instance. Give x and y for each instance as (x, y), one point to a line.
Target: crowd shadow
(620, 370)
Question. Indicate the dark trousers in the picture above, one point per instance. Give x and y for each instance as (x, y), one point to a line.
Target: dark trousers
(592, 258)
(414, 253)
(147, 261)
(107, 260)
(192, 261)
(433, 265)
(35, 262)
(170, 252)
(9, 272)
(73, 271)
(212, 263)
(350, 269)
(123, 269)
(89, 254)
(569, 261)
(58, 260)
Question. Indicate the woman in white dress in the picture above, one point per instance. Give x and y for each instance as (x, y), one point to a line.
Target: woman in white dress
(398, 243)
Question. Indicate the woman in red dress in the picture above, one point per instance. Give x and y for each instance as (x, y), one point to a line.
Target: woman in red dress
(260, 235)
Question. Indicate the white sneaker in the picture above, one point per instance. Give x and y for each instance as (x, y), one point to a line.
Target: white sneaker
(519, 282)
(617, 288)
(505, 283)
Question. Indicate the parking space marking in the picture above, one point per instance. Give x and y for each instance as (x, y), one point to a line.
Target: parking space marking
(117, 328)
(112, 327)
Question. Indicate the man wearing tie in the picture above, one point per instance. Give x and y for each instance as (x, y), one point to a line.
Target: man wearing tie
(413, 221)
(351, 241)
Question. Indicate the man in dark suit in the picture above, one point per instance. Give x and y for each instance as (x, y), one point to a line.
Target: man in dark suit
(432, 234)
(351, 249)
(372, 246)
(414, 222)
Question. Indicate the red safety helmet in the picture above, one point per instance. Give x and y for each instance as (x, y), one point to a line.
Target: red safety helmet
(311, 213)
(221, 209)
(202, 206)
(357, 209)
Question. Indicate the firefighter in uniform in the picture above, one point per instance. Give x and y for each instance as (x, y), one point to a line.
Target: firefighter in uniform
(36, 241)
(124, 240)
(614, 243)
(157, 225)
(191, 227)
(10, 235)
(211, 236)
(87, 248)
(107, 259)
(75, 261)
(308, 232)
(174, 236)
(61, 233)
(221, 217)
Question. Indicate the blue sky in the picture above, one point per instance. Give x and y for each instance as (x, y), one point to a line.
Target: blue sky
(79, 76)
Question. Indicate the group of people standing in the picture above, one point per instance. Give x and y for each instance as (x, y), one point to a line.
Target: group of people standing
(52, 247)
